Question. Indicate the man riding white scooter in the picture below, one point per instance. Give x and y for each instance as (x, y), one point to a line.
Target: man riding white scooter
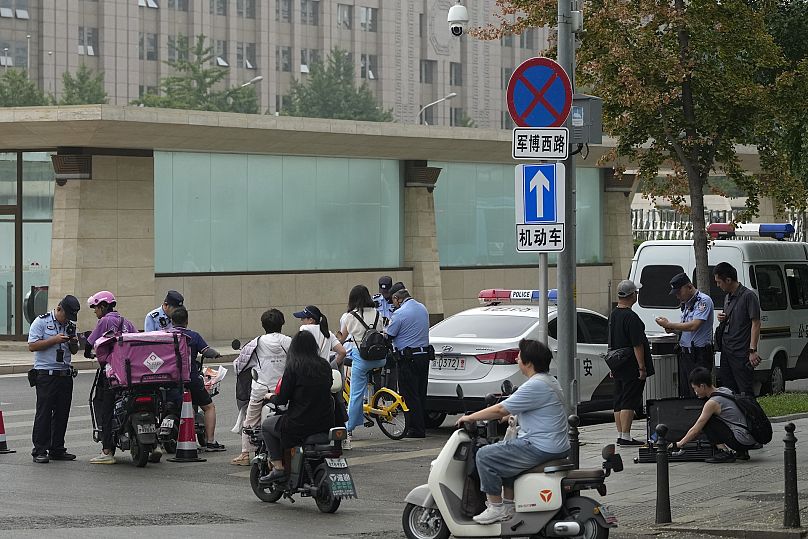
(542, 432)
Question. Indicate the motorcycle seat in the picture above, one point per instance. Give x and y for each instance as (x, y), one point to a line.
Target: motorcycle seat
(317, 439)
(557, 465)
(587, 474)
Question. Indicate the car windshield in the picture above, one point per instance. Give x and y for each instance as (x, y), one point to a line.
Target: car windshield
(482, 326)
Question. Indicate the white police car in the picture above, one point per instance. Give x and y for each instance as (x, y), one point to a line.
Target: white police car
(477, 349)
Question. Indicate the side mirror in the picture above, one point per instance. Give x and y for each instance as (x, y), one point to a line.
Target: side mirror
(254, 374)
(236, 344)
(459, 391)
(507, 387)
(490, 399)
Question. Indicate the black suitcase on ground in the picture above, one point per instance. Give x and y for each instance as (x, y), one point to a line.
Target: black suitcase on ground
(678, 415)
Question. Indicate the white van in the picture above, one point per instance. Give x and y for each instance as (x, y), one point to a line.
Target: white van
(776, 270)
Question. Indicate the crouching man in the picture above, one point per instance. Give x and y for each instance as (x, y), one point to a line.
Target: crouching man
(721, 420)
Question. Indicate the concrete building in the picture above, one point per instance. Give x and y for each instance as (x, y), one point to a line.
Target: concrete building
(402, 49)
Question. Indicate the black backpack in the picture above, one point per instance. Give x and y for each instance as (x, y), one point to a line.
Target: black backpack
(374, 344)
(757, 422)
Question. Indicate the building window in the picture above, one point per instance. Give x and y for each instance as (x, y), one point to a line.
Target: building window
(367, 18)
(455, 74)
(88, 40)
(428, 116)
(218, 7)
(245, 55)
(221, 54)
(282, 102)
(421, 25)
(179, 5)
(310, 12)
(143, 90)
(5, 9)
(308, 57)
(344, 16)
(527, 39)
(368, 66)
(456, 116)
(22, 10)
(283, 10)
(283, 59)
(506, 122)
(428, 68)
(245, 8)
(148, 46)
(507, 40)
(505, 77)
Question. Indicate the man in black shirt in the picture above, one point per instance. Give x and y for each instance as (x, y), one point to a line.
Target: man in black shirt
(626, 330)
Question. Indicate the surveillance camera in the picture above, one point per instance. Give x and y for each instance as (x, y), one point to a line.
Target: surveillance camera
(458, 18)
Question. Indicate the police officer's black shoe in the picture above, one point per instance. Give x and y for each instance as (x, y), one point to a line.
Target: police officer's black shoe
(41, 459)
(62, 456)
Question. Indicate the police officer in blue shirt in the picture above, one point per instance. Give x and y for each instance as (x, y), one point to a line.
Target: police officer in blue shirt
(382, 299)
(409, 330)
(52, 339)
(160, 318)
(696, 327)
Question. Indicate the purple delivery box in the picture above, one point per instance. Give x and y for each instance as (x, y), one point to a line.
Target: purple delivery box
(151, 357)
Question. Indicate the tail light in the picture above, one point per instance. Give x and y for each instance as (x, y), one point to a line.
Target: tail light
(503, 357)
(142, 402)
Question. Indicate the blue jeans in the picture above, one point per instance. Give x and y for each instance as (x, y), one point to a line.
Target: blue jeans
(499, 462)
(359, 386)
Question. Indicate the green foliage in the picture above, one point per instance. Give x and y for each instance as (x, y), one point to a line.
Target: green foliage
(784, 404)
(84, 88)
(466, 121)
(330, 91)
(192, 86)
(17, 91)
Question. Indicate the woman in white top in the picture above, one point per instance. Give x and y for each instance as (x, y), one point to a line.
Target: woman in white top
(316, 323)
(270, 361)
(360, 305)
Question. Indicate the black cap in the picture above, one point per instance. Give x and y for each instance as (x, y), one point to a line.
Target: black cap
(679, 280)
(396, 287)
(71, 306)
(385, 282)
(174, 298)
(310, 312)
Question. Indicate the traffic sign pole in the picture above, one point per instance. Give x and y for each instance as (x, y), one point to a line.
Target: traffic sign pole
(567, 260)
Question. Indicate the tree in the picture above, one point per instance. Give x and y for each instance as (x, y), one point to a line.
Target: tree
(330, 92)
(85, 88)
(682, 83)
(193, 84)
(17, 91)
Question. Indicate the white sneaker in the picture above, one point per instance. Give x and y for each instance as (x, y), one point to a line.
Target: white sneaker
(103, 459)
(347, 442)
(492, 514)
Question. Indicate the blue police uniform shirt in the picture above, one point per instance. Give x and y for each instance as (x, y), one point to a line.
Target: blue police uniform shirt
(410, 325)
(157, 320)
(699, 307)
(197, 344)
(385, 308)
(44, 327)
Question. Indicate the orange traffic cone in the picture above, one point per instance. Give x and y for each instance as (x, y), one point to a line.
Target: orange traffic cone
(3, 445)
(186, 442)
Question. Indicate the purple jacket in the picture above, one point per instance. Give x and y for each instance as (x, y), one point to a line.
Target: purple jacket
(111, 322)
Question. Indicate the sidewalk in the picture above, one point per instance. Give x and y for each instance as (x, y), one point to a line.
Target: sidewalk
(742, 499)
(16, 359)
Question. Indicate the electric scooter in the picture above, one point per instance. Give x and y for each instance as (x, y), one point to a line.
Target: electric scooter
(547, 497)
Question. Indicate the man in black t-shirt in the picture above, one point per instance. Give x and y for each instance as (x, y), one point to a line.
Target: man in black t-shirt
(626, 330)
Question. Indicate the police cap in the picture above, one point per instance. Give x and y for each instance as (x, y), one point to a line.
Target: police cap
(174, 298)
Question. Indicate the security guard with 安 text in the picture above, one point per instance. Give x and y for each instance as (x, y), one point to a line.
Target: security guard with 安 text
(160, 318)
(52, 339)
(696, 327)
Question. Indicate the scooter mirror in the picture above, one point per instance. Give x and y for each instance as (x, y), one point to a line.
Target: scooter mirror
(236, 344)
(459, 391)
(608, 451)
(254, 374)
(507, 387)
(490, 399)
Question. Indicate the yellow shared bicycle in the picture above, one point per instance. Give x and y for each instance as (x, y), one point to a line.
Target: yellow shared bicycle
(383, 404)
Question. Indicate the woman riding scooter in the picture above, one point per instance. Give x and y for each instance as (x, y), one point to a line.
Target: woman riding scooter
(109, 322)
(306, 389)
(542, 432)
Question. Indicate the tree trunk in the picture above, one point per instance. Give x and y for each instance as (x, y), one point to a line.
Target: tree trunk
(696, 184)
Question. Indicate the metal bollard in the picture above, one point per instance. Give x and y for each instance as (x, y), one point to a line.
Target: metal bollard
(791, 509)
(663, 493)
(575, 446)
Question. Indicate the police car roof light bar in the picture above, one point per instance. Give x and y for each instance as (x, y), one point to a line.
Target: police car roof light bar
(495, 296)
(778, 231)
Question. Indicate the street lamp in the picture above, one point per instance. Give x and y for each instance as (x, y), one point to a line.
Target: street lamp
(445, 98)
(28, 56)
(253, 80)
(5, 57)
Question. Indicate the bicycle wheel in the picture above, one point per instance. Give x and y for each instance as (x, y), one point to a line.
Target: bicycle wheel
(394, 426)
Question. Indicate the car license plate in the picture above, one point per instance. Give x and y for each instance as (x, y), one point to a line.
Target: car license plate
(336, 463)
(449, 363)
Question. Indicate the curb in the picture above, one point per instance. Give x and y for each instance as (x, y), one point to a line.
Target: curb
(91, 365)
(790, 417)
(740, 533)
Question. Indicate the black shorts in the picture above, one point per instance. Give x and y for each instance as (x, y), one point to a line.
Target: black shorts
(199, 395)
(628, 393)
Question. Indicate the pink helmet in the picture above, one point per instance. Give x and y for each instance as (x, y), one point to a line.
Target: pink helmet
(103, 296)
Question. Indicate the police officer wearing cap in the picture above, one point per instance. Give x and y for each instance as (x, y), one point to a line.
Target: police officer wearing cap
(409, 330)
(696, 327)
(160, 318)
(52, 339)
(382, 299)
